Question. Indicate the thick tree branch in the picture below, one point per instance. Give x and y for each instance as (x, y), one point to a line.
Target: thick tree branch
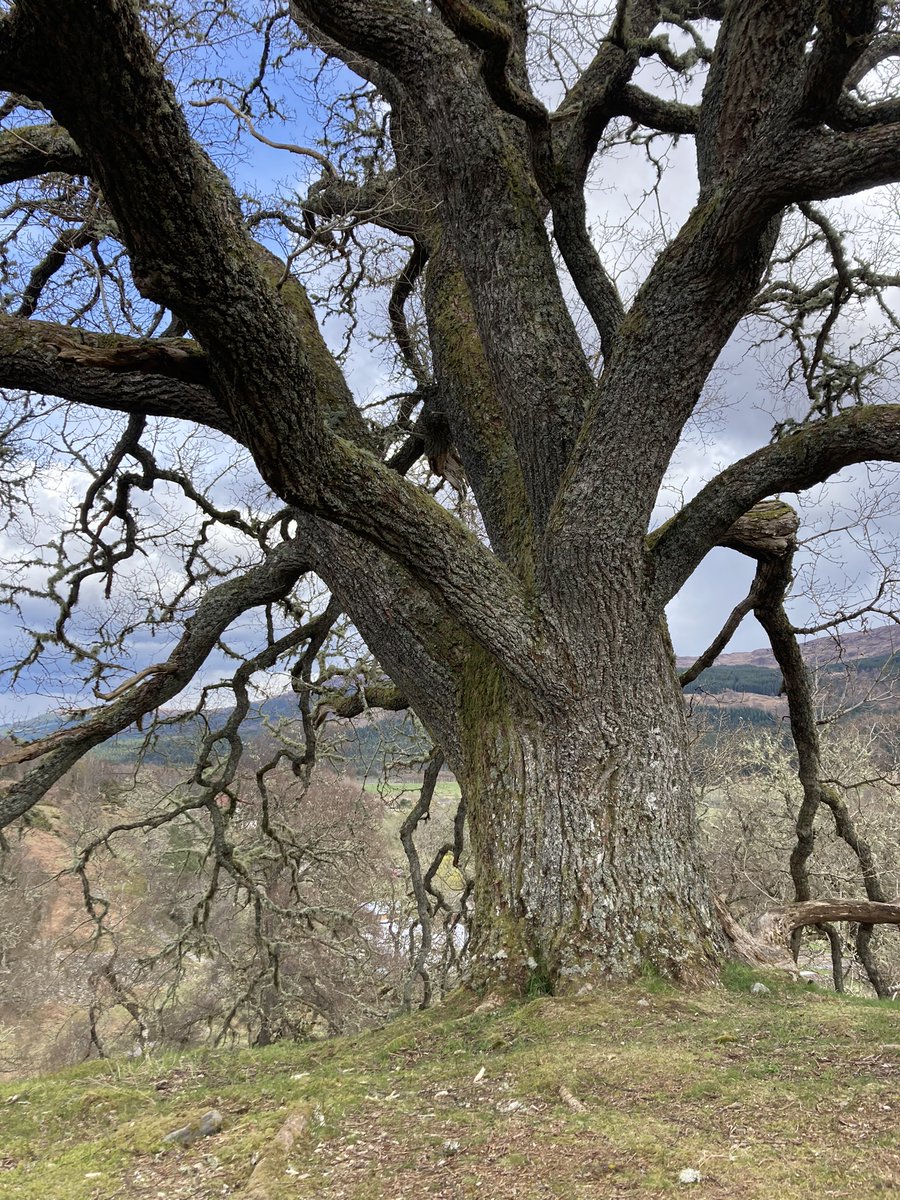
(151, 377)
(410, 634)
(796, 461)
(851, 114)
(595, 287)
(775, 927)
(767, 940)
(879, 50)
(495, 218)
(836, 163)
(756, 153)
(845, 28)
(753, 94)
(383, 696)
(666, 116)
(174, 210)
(396, 34)
(596, 94)
(474, 408)
(31, 150)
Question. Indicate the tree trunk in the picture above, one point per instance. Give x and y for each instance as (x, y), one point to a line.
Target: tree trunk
(583, 825)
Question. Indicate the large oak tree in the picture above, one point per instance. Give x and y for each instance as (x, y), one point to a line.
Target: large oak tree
(533, 646)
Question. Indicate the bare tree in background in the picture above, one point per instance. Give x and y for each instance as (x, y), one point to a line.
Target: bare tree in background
(529, 637)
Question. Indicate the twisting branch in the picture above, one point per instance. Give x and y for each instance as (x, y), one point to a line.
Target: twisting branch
(496, 41)
(401, 292)
(304, 151)
(59, 751)
(420, 812)
(301, 683)
(774, 557)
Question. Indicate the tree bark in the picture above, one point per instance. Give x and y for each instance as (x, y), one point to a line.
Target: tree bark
(583, 825)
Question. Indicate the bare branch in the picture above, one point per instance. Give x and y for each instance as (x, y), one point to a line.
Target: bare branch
(719, 642)
(291, 147)
(419, 812)
(215, 612)
(796, 461)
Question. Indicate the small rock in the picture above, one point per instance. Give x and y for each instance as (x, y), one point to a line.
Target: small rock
(186, 1136)
(293, 1128)
(689, 1175)
(478, 1078)
(573, 1102)
(451, 1147)
(808, 977)
(208, 1124)
(94, 1175)
(759, 989)
(642, 1003)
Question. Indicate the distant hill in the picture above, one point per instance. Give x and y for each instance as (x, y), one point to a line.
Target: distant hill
(879, 643)
(744, 686)
(749, 681)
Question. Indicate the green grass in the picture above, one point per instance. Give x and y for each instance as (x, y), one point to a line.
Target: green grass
(793, 1095)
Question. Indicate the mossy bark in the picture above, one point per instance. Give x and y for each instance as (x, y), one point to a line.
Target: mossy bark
(583, 828)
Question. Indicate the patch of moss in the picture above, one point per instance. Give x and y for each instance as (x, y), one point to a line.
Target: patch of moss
(467, 1103)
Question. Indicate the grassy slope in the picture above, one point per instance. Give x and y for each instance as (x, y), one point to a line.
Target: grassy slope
(789, 1095)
